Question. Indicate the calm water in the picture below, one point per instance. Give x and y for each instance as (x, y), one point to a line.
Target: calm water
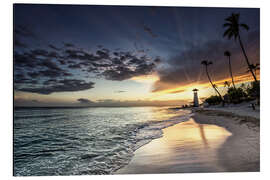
(75, 141)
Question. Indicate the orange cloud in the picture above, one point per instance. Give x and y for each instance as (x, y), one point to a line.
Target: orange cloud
(180, 89)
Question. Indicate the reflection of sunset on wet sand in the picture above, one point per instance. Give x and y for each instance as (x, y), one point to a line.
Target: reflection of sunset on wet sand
(185, 147)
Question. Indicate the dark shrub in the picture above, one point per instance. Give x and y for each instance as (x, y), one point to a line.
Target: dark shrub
(253, 91)
(213, 100)
(236, 95)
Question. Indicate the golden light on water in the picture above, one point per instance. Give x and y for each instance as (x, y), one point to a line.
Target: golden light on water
(202, 134)
(183, 146)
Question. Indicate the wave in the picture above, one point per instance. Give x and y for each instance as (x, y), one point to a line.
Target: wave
(143, 134)
(86, 142)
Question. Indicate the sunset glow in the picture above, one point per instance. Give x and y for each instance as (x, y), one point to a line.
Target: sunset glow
(132, 64)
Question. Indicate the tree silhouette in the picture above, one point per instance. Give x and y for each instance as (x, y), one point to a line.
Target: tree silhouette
(254, 68)
(206, 64)
(233, 30)
(227, 84)
(228, 54)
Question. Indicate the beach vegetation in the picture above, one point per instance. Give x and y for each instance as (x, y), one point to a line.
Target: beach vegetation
(246, 91)
(213, 100)
(233, 30)
(254, 67)
(236, 95)
(253, 91)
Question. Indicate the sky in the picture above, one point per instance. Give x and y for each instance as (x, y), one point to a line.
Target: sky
(79, 55)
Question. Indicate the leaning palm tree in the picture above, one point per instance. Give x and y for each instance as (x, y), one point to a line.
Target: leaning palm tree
(233, 30)
(206, 64)
(254, 68)
(228, 54)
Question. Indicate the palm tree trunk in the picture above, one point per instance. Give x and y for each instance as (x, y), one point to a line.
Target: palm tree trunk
(212, 82)
(230, 67)
(244, 52)
(255, 72)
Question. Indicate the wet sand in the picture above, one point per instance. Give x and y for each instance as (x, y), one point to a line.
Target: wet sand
(205, 143)
(241, 151)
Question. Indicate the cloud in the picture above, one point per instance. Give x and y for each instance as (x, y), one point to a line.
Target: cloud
(66, 85)
(84, 101)
(53, 47)
(120, 91)
(186, 68)
(24, 31)
(42, 65)
(128, 103)
(149, 30)
(69, 45)
(19, 43)
(43, 69)
(21, 32)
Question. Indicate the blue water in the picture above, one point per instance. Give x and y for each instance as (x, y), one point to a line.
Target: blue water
(76, 141)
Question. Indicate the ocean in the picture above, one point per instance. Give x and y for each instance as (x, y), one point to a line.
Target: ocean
(79, 141)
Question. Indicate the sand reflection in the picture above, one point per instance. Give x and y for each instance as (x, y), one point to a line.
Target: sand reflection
(185, 147)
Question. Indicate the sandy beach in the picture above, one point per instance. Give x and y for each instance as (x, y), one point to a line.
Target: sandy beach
(213, 140)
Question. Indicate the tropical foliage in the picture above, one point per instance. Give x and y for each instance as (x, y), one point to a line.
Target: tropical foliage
(243, 92)
(213, 100)
(233, 30)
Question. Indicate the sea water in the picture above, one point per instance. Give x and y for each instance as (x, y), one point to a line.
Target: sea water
(77, 141)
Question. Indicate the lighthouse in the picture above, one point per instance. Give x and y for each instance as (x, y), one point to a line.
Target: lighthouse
(195, 98)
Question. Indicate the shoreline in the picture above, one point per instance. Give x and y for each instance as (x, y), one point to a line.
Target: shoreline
(238, 152)
(241, 151)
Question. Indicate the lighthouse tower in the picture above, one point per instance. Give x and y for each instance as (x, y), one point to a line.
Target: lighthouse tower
(195, 98)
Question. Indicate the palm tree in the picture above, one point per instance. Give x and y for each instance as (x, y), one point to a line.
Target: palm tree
(227, 84)
(228, 54)
(254, 68)
(233, 30)
(206, 64)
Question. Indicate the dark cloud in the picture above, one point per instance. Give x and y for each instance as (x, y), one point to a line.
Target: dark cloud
(120, 91)
(186, 67)
(69, 45)
(24, 60)
(66, 85)
(84, 101)
(149, 30)
(44, 69)
(50, 65)
(53, 47)
(21, 32)
(43, 64)
(19, 43)
(24, 31)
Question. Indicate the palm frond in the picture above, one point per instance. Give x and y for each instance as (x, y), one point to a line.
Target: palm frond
(227, 32)
(204, 62)
(244, 26)
(227, 24)
(230, 35)
(229, 19)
